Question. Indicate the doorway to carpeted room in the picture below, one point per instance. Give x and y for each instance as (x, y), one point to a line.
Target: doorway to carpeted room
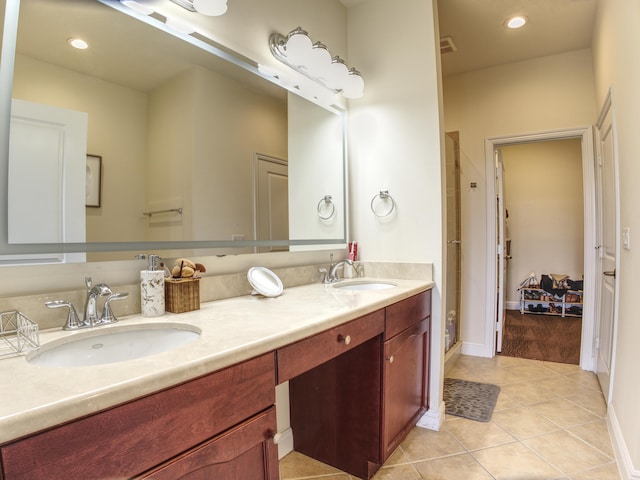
(551, 338)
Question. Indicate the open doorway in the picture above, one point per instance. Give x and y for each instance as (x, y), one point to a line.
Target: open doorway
(584, 136)
(543, 287)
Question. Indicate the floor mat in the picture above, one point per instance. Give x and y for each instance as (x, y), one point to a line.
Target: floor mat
(471, 400)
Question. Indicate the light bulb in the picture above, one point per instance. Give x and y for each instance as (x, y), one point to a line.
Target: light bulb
(211, 8)
(298, 46)
(355, 85)
(516, 22)
(78, 43)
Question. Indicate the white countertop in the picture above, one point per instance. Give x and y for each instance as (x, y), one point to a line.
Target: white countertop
(36, 397)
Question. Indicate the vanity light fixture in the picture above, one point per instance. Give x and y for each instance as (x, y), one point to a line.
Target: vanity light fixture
(78, 43)
(314, 61)
(210, 8)
(516, 22)
(137, 7)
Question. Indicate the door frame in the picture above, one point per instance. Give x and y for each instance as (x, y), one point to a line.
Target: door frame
(585, 133)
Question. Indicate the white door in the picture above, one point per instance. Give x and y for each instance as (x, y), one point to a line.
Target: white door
(607, 227)
(46, 191)
(501, 249)
(272, 201)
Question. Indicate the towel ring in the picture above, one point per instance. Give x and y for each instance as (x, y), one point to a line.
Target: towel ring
(383, 196)
(326, 207)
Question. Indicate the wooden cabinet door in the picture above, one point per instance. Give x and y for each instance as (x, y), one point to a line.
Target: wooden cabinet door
(405, 380)
(247, 452)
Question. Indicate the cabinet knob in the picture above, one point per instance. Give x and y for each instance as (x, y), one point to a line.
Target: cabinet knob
(346, 339)
(390, 359)
(274, 436)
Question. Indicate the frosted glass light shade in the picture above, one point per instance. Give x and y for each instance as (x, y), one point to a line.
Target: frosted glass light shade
(210, 8)
(337, 74)
(298, 47)
(354, 88)
(319, 61)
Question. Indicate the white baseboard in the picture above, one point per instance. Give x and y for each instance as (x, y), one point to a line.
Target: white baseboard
(285, 443)
(620, 450)
(433, 419)
(512, 305)
(476, 350)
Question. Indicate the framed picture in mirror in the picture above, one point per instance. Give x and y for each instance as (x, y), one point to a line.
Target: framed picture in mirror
(94, 180)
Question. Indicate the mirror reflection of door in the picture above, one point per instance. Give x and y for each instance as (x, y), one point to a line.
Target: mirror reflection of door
(454, 234)
(272, 200)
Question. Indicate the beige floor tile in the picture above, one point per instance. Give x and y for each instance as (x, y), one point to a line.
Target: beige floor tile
(564, 413)
(595, 434)
(528, 373)
(515, 461)
(562, 385)
(450, 468)
(398, 472)
(605, 472)
(592, 401)
(476, 435)
(567, 453)
(522, 422)
(397, 457)
(586, 379)
(506, 401)
(529, 392)
(422, 444)
(564, 368)
(504, 361)
(296, 465)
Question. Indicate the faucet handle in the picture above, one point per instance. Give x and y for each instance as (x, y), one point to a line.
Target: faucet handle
(107, 315)
(73, 322)
(325, 275)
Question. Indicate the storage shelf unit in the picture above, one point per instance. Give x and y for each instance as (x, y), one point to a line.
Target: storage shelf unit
(536, 300)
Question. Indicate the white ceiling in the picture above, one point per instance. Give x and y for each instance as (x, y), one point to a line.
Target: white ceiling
(478, 31)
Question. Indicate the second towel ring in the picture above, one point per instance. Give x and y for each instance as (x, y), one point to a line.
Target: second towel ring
(326, 207)
(384, 196)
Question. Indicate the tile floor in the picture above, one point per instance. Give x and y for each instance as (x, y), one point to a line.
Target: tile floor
(549, 423)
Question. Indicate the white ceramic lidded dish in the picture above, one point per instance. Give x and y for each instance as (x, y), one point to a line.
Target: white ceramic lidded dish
(264, 282)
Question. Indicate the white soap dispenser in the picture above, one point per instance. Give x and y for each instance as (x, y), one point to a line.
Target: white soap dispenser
(152, 289)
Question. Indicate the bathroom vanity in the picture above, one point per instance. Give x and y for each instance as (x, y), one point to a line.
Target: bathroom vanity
(357, 363)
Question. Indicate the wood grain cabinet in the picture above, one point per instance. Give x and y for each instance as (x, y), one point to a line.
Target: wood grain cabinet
(406, 369)
(218, 423)
(352, 409)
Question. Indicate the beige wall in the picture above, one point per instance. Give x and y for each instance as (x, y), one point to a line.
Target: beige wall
(543, 192)
(117, 131)
(616, 50)
(204, 131)
(546, 93)
(395, 144)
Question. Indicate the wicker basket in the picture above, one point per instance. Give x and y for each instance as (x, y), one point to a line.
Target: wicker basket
(181, 294)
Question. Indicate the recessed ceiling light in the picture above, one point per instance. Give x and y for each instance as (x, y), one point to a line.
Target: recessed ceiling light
(78, 43)
(516, 22)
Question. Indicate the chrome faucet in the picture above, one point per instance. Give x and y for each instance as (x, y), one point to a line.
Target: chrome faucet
(333, 273)
(91, 318)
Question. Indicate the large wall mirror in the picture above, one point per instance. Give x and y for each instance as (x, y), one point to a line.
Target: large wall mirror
(164, 144)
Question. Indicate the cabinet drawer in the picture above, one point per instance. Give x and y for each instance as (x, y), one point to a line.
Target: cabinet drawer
(306, 354)
(244, 452)
(134, 437)
(406, 313)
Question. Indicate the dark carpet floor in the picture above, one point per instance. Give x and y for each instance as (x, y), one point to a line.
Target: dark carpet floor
(542, 337)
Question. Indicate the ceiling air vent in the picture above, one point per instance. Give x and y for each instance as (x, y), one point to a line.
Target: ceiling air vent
(187, 4)
(446, 45)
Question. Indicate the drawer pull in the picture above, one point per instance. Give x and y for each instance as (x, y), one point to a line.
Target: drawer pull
(346, 339)
(390, 359)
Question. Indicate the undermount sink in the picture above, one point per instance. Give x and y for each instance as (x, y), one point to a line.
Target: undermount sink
(365, 285)
(118, 344)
